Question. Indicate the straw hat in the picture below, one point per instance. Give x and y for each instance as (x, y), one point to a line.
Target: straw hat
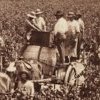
(38, 11)
(21, 58)
(32, 15)
(11, 67)
(79, 14)
(70, 14)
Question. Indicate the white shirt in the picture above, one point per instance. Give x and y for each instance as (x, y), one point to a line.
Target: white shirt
(2, 41)
(5, 82)
(11, 67)
(73, 27)
(26, 88)
(41, 24)
(81, 23)
(61, 26)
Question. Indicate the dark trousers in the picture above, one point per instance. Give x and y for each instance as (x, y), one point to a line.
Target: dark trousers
(61, 50)
(23, 49)
(72, 59)
(78, 48)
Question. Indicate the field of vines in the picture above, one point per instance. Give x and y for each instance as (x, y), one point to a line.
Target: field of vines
(13, 15)
(13, 26)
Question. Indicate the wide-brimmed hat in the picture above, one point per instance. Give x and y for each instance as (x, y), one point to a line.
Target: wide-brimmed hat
(11, 67)
(24, 72)
(70, 14)
(59, 13)
(32, 15)
(78, 14)
(21, 57)
(38, 11)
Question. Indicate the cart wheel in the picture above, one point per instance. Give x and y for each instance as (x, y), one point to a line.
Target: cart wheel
(71, 79)
(70, 76)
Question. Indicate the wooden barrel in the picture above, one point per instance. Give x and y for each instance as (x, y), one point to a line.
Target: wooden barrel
(46, 56)
(31, 52)
(49, 55)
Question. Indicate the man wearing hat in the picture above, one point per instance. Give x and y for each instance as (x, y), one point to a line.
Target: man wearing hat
(25, 86)
(81, 23)
(60, 29)
(30, 26)
(78, 18)
(11, 70)
(72, 36)
(40, 22)
(32, 21)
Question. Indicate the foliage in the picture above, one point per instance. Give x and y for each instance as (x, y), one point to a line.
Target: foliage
(13, 15)
(13, 25)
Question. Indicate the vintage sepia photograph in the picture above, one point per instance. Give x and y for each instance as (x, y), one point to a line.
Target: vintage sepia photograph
(49, 49)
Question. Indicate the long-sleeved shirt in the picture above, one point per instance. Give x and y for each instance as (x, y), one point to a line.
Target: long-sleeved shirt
(26, 88)
(40, 23)
(82, 27)
(73, 27)
(61, 26)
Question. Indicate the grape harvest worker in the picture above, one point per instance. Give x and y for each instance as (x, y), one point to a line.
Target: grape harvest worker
(81, 23)
(40, 22)
(2, 44)
(31, 24)
(60, 29)
(72, 36)
(26, 86)
(78, 18)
